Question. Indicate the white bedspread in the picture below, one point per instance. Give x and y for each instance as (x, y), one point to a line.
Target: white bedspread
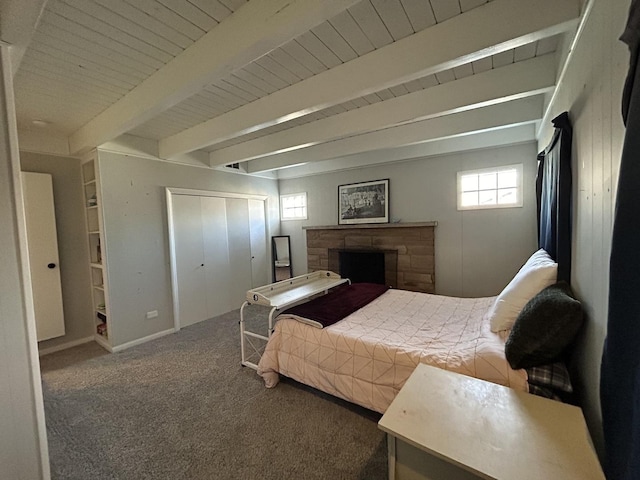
(367, 357)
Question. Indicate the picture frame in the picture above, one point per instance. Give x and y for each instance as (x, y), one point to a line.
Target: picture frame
(364, 202)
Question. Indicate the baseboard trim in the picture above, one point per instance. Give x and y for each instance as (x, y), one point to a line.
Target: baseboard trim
(103, 343)
(99, 339)
(64, 346)
(142, 340)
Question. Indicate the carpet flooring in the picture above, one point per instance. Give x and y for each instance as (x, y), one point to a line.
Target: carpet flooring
(182, 407)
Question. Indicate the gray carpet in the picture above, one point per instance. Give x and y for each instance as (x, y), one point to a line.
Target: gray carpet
(182, 407)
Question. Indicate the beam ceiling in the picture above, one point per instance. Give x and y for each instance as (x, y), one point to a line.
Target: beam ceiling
(251, 32)
(488, 30)
(516, 112)
(521, 79)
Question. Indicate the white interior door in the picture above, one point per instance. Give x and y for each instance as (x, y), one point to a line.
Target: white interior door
(44, 261)
(189, 259)
(258, 233)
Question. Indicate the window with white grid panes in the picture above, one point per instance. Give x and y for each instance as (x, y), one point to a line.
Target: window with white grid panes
(293, 206)
(497, 187)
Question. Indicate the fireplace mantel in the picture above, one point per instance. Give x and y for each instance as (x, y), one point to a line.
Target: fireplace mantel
(413, 242)
(372, 225)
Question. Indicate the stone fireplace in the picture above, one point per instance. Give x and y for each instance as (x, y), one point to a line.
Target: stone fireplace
(408, 250)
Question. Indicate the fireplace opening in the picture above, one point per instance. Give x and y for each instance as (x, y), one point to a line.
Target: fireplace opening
(361, 266)
(365, 265)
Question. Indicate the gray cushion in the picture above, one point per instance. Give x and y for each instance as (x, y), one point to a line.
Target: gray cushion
(547, 324)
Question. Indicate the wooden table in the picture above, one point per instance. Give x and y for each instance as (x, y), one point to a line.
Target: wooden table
(444, 425)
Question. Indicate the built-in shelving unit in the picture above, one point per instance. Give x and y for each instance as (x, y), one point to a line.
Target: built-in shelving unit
(97, 261)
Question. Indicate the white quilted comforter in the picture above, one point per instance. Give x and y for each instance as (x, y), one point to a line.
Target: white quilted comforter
(366, 357)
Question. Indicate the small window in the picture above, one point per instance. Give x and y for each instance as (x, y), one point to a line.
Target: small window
(498, 187)
(293, 206)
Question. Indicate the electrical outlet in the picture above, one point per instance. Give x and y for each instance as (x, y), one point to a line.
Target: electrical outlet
(152, 314)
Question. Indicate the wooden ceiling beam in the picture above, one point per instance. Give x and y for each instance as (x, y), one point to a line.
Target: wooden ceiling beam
(251, 32)
(512, 113)
(472, 141)
(518, 80)
(18, 22)
(487, 30)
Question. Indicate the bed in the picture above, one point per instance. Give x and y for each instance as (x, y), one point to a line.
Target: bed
(366, 357)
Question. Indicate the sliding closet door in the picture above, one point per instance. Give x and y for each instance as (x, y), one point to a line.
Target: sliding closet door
(258, 233)
(189, 259)
(216, 256)
(238, 233)
(219, 253)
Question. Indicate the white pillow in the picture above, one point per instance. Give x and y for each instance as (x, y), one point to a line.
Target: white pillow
(539, 272)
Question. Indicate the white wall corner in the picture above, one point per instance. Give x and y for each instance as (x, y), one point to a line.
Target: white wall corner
(48, 143)
(127, 144)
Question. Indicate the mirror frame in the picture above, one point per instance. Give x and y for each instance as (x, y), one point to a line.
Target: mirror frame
(274, 255)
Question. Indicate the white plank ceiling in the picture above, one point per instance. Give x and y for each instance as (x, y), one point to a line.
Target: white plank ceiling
(269, 81)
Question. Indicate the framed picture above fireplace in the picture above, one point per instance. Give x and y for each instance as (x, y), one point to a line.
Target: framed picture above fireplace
(365, 202)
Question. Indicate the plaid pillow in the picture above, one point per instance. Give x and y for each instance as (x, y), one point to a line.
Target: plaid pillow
(554, 376)
(544, 392)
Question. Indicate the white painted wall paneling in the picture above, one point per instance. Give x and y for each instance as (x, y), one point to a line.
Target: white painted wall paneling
(23, 437)
(425, 190)
(136, 230)
(591, 90)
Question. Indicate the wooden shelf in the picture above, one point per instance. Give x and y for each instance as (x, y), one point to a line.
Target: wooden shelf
(103, 340)
(97, 262)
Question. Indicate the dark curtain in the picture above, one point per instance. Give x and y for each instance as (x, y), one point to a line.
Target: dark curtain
(553, 192)
(620, 372)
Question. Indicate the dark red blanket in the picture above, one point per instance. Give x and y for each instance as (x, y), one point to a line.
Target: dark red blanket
(339, 303)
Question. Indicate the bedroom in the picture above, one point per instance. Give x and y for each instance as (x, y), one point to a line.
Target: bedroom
(589, 92)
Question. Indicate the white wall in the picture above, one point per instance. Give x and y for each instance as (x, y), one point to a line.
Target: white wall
(477, 252)
(136, 234)
(591, 92)
(72, 243)
(23, 446)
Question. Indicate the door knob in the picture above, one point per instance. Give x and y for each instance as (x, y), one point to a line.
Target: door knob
(51, 265)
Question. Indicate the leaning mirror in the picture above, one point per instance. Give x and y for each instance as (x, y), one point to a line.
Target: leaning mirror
(281, 254)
